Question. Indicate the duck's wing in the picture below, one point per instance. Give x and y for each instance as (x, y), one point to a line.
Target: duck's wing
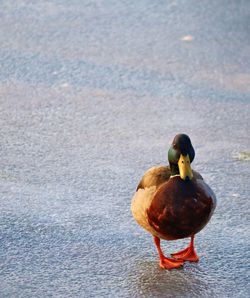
(141, 201)
(155, 176)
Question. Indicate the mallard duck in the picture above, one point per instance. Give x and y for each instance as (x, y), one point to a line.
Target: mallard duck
(173, 202)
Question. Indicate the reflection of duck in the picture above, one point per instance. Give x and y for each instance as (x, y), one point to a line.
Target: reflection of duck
(173, 202)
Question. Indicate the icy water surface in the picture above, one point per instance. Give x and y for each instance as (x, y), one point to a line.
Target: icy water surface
(91, 95)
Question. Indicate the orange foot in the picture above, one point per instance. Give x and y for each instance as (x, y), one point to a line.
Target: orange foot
(187, 254)
(167, 263)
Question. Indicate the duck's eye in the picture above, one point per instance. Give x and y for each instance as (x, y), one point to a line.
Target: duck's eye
(182, 161)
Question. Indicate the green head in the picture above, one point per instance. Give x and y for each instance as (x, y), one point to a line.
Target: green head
(180, 155)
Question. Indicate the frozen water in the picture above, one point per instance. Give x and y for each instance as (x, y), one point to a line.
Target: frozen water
(91, 95)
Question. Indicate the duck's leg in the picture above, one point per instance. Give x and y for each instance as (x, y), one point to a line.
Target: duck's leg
(166, 263)
(187, 254)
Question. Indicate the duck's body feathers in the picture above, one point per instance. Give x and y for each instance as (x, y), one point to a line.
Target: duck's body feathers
(156, 176)
(170, 208)
(180, 209)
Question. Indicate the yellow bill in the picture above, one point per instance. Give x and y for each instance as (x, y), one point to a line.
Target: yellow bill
(185, 167)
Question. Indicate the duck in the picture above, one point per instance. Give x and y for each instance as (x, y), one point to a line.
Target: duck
(173, 202)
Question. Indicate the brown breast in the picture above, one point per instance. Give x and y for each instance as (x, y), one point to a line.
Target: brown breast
(180, 209)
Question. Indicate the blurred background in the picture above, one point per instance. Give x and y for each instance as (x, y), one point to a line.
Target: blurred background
(91, 95)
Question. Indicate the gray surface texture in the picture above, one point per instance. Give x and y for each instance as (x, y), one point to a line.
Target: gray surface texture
(91, 95)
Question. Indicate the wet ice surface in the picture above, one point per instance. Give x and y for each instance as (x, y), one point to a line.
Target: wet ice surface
(92, 93)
